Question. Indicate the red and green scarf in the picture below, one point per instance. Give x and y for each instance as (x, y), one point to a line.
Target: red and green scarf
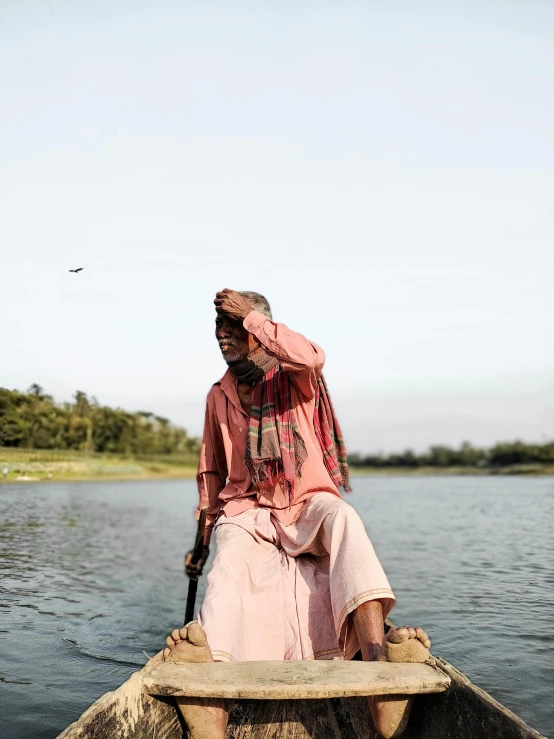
(275, 450)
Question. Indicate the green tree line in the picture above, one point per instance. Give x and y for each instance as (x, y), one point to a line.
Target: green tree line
(33, 420)
(502, 454)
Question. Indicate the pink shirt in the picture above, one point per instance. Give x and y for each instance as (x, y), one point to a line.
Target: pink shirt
(223, 480)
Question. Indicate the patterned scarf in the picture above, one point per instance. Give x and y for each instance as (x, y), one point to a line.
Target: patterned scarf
(251, 370)
(275, 450)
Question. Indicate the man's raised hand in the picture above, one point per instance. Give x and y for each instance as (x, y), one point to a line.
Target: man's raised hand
(233, 304)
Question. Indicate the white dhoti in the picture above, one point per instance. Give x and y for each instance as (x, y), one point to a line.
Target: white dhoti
(285, 592)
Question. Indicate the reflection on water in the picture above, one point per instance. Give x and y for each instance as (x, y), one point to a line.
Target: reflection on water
(91, 579)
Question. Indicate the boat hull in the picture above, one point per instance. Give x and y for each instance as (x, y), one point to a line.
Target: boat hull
(462, 712)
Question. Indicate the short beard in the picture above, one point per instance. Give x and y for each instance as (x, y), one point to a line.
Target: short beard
(232, 355)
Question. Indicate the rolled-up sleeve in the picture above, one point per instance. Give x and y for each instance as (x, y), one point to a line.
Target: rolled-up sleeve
(295, 353)
(212, 469)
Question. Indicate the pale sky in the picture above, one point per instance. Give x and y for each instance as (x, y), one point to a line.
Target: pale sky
(382, 172)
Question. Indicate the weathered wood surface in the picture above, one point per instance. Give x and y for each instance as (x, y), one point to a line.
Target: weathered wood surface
(335, 718)
(128, 713)
(293, 680)
(462, 712)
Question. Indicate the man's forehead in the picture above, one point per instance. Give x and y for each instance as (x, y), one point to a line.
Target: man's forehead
(222, 318)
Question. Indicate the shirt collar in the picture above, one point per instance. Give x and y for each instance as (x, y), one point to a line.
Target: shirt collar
(227, 380)
(228, 385)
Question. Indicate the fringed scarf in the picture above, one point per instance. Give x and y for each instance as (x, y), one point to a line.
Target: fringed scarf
(275, 450)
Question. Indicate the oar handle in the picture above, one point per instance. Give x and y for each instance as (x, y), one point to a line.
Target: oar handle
(196, 557)
(199, 541)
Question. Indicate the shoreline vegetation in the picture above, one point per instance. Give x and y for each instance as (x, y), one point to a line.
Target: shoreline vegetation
(37, 465)
(84, 440)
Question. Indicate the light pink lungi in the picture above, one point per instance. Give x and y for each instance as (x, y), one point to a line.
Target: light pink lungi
(284, 592)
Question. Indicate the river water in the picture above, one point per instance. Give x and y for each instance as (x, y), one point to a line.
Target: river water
(91, 579)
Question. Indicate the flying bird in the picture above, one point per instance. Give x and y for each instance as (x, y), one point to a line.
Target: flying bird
(76, 270)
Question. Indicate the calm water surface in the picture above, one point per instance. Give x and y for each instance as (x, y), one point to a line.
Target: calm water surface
(91, 579)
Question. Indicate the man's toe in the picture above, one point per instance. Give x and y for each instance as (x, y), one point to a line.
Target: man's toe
(396, 635)
(196, 634)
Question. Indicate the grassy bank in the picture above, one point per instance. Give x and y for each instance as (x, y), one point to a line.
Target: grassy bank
(37, 465)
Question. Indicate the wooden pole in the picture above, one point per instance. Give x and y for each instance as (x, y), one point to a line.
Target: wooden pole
(196, 556)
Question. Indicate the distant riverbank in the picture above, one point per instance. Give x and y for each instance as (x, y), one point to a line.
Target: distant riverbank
(28, 465)
(533, 470)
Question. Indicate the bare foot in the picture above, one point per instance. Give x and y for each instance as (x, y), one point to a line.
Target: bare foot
(206, 718)
(188, 644)
(391, 712)
(406, 644)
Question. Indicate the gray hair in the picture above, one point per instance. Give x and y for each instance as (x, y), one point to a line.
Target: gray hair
(258, 302)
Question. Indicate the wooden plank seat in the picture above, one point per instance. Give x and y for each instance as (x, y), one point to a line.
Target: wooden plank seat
(291, 679)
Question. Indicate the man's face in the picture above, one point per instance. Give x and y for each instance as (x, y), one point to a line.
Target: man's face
(233, 338)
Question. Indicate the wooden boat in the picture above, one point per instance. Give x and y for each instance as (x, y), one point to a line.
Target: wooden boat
(300, 700)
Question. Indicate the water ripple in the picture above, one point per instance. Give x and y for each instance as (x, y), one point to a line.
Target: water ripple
(477, 570)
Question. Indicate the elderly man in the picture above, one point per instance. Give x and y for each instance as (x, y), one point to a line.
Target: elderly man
(295, 575)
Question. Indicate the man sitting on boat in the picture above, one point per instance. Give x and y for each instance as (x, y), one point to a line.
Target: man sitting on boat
(295, 575)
